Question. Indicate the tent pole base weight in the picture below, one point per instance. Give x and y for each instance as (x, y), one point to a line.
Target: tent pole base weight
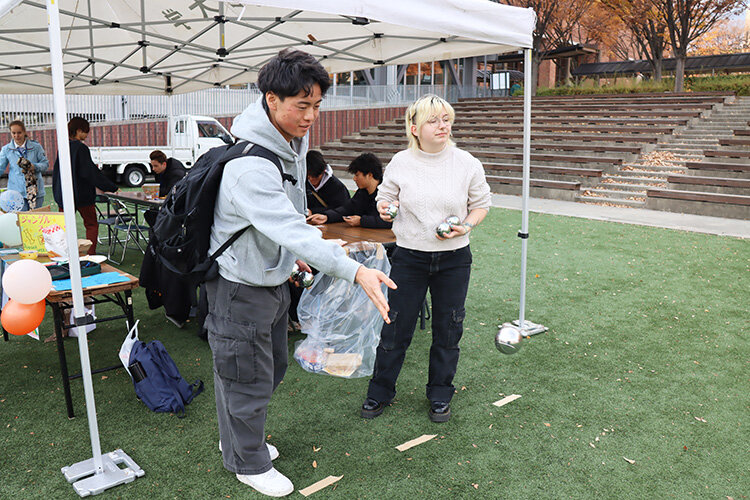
(530, 328)
(86, 482)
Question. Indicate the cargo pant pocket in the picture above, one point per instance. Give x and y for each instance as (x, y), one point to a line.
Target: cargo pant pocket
(388, 332)
(235, 358)
(455, 329)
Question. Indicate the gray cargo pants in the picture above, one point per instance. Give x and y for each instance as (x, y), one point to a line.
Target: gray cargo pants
(247, 332)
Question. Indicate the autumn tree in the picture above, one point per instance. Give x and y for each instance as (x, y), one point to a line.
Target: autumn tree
(726, 37)
(555, 22)
(599, 28)
(687, 20)
(648, 26)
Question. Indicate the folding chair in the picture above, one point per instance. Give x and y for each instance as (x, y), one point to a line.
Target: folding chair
(125, 232)
(108, 217)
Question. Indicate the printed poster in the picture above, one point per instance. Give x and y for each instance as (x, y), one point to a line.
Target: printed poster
(31, 224)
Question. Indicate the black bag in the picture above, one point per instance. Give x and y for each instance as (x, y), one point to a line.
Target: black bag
(62, 271)
(177, 259)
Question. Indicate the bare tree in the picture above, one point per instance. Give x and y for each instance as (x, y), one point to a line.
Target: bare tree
(555, 22)
(687, 20)
(648, 26)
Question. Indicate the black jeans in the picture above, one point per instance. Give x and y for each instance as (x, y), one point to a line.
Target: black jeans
(446, 274)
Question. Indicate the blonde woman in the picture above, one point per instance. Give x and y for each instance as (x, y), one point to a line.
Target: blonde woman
(429, 181)
(26, 161)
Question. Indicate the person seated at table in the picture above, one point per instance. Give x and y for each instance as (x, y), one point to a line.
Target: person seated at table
(360, 210)
(87, 178)
(324, 190)
(167, 171)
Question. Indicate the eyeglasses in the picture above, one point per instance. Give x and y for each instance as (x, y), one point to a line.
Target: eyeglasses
(436, 120)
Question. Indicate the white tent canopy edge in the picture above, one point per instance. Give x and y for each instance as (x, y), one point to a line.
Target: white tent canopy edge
(122, 47)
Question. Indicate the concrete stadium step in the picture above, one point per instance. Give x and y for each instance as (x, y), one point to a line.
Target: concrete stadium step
(651, 169)
(460, 121)
(639, 187)
(647, 131)
(604, 200)
(499, 150)
(600, 139)
(539, 188)
(561, 160)
(613, 192)
(586, 176)
(623, 178)
(686, 151)
(680, 140)
(613, 150)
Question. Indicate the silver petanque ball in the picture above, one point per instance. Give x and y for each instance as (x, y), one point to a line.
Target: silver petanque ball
(306, 279)
(392, 210)
(508, 339)
(443, 229)
(453, 220)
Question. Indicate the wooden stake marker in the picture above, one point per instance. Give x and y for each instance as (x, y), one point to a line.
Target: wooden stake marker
(414, 442)
(319, 485)
(507, 399)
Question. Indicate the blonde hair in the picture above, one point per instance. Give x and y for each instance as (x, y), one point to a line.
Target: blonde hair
(421, 111)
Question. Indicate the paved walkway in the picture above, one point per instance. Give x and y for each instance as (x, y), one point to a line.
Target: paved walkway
(639, 216)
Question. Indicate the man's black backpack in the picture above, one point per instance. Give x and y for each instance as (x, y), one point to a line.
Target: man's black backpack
(177, 259)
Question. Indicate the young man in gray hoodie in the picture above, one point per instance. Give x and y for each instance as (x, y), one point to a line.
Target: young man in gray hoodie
(249, 301)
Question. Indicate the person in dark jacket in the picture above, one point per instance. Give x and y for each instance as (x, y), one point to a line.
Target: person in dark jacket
(324, 190)
(86, 179)
(360, 210)
(167, 171)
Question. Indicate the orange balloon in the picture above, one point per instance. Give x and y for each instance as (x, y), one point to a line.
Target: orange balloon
(20, 319)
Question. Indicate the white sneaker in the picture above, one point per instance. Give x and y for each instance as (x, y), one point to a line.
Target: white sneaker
(272, 483)
(272, 450)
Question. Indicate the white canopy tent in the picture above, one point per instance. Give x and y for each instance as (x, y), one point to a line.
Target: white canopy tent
(177, 46)
(144, 47)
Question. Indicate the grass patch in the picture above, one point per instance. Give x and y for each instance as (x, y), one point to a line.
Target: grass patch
(647, 333)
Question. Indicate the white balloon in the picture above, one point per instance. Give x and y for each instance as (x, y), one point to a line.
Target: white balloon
(10, 233)
(27, 281)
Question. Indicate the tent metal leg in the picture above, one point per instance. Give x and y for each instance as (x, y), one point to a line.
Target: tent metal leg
(527, 328)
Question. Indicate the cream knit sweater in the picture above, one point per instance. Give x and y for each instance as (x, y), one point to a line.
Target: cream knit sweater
(429, 188)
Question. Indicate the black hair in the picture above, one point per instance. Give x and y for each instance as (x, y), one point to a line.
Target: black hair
(158, 155)
(316, 164)
(290, 72)
(77, 123)
(367, 163)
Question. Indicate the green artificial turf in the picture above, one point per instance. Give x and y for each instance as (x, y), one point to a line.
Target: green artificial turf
(646, 359)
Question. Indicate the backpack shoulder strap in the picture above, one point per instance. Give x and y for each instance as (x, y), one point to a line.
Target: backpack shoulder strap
(245, 148)
(239, 150)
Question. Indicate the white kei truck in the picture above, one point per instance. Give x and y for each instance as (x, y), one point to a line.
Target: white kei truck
(190, 136)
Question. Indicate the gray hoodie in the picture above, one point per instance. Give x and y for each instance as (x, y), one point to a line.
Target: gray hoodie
(251, 194)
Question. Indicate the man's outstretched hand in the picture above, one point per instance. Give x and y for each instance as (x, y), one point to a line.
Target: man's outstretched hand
(370, 280)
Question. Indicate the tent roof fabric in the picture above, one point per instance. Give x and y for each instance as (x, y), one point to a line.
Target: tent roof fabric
(736, 62)
(145, 47)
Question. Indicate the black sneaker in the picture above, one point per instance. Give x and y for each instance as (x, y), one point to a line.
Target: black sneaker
(372, 408)
(440, 411)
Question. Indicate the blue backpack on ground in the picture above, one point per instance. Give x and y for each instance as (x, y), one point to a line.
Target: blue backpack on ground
(157, 380)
